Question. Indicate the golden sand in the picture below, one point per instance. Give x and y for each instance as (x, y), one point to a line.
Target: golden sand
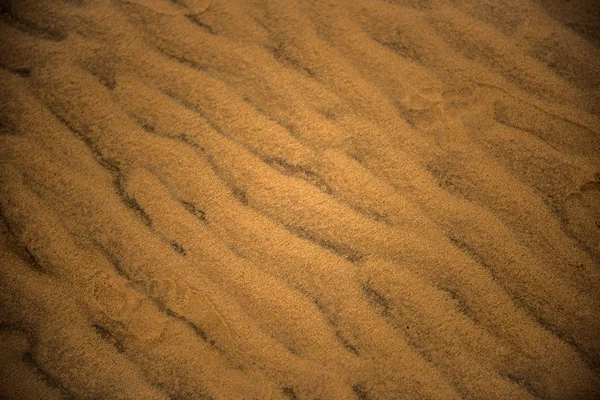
(311, 199)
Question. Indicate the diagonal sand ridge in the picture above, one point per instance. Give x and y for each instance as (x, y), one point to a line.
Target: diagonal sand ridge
(278, 199)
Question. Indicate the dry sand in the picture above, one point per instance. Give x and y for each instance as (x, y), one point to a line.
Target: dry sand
(280, 199)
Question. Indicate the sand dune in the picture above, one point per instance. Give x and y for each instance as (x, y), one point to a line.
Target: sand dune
(311, 199)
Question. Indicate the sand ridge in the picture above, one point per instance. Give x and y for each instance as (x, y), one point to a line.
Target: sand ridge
(333, 199)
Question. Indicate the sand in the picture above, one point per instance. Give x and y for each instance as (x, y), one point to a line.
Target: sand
(279, 199)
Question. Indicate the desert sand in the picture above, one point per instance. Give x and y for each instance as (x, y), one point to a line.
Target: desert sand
(311, 199)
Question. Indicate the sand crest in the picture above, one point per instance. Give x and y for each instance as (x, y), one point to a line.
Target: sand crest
(279, 199)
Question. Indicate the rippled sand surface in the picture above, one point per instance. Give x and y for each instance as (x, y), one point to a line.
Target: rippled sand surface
(278, 199)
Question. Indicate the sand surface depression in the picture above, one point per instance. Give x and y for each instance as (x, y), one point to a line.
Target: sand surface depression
(312, 199)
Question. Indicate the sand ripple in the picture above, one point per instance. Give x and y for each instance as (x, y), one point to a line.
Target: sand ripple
(299, 199)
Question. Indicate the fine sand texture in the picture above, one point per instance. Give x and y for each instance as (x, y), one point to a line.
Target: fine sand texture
(299, 199)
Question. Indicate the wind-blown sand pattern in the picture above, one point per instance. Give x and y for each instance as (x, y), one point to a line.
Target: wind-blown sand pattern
(278, 199)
